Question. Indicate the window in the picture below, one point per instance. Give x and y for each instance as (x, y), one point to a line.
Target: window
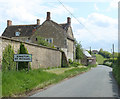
(17, 33)
(65, 42)
(36, 39)
(49, 40)
(28, 40)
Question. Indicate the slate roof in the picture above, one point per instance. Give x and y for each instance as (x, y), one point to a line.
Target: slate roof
(28, 30)
(64, 26)
(25, 30)
(86, 53)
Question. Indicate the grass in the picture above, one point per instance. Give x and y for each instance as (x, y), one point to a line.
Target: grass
(0, 84)
(15, 83)
(18, 82)
(100, 59)
(62, 70)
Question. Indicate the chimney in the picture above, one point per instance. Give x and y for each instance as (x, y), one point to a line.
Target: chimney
(9, 22)
(48, 16)
(38, 21)
(69, 20)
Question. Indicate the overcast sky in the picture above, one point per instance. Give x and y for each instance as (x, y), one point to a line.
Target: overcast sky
(99, 17)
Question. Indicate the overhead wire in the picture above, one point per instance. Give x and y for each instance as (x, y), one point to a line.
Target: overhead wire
(74, 16)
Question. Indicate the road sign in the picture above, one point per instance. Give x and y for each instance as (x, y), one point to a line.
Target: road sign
(23, 57)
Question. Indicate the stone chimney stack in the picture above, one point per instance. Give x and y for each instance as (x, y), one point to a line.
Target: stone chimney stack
(69, 20)
(9, 22)
(48, 16)
(38, 21)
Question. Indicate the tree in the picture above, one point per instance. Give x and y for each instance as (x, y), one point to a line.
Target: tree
(41, 41)
(8, 59)
(79, 51)
(105, 54)
(23, 50)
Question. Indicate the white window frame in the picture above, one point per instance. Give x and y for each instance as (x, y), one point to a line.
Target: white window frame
(49, 40)
(17, 33)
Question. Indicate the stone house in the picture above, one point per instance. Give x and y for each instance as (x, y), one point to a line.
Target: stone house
(60, 35)
(88, 59)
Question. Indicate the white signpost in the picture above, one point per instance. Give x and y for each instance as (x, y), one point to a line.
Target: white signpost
(22, 58)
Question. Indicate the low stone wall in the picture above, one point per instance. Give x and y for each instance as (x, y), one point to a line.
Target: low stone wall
(42, 57)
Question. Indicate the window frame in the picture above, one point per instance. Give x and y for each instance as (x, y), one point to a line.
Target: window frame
(17, 34)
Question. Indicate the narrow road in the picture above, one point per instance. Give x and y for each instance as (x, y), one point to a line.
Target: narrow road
(98, 82)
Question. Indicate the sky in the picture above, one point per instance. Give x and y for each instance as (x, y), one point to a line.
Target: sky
(94, 22)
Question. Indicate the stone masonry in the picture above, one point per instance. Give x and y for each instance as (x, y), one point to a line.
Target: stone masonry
(42, 57)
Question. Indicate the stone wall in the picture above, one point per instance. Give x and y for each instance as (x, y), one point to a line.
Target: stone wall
(42, 57)
(70, 49)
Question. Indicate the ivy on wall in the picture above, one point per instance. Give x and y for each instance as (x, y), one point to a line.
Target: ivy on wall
(22, 50)
(8, 59)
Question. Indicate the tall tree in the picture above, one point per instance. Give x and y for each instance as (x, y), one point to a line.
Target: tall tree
(79, 51)
(23, 50)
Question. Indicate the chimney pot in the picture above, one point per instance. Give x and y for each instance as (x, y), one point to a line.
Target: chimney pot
(69, 20)
(9, 22)
(38, 21)
(48, 16)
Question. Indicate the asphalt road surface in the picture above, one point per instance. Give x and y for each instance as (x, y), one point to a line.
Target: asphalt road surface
(98, 82)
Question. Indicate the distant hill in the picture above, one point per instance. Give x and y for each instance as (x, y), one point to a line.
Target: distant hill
(99, 58)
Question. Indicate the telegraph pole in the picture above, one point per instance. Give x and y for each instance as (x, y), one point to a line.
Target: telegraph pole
(90, 51)
(113, 53)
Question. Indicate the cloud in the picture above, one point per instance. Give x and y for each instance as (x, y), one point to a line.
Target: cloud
(27, 11)
(101, 30)
(96, 8)
(113, 4)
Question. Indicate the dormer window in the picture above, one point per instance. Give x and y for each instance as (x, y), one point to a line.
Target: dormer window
(17, 33)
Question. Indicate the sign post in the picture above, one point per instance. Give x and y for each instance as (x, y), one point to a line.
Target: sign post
(23, 58)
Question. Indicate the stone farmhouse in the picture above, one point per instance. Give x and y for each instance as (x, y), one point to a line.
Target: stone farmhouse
(61, 35)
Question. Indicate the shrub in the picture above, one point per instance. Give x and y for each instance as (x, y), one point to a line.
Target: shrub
(23, 50)
(73, 63)
(79, 50)
(8, 59)
(92, 65)
(41, 41)
(70, 61)
(110, 62)
(116, 69)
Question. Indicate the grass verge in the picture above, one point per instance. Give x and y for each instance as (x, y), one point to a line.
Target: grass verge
(17, 83)
(0, 84)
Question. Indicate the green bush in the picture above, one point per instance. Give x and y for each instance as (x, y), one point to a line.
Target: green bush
(73, 63)
(116, 69)
(92, 65)
(70, 61)
(8, 59)
(79, 51)
(23, 65)
(110, 62)
(41, 41)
